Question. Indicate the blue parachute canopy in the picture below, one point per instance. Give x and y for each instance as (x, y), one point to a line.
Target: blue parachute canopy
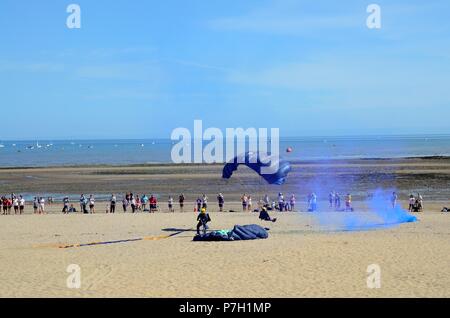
(257, 161)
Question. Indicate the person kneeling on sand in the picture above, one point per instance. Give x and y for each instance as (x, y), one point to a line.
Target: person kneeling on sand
(202, 218)
(264, 215)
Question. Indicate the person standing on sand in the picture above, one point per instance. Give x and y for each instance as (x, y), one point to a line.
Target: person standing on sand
(16, 205)
(2, 205)
(170, 204)
(35, 205)
(348, 202)
(124, 204)
(66, 205)
(41, 205)
(91, 204)
(337, 201)
(331, 199)
(82, 203)
(221, 201)
(394, 200)
(9, 205)
(144, 200)
(199, 203)
(181, 199)
(280, 202)
(244, 200)
(204, 201)
(292, 201)
(112, 203)
(420, 201)
(138, 203)
(249, 203)
(412, 200)
(153, 204)
(312, 202)
(133, 203)
(21, 204)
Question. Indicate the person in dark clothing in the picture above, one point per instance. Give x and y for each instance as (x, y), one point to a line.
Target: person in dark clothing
(202, 218)
(264, 215)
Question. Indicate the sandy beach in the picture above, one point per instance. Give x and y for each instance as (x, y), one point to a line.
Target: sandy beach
(299, 259)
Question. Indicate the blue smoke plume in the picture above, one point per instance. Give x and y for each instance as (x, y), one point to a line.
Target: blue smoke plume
(377, 213)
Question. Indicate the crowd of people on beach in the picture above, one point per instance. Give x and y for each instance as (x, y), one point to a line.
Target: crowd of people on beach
(143, 203)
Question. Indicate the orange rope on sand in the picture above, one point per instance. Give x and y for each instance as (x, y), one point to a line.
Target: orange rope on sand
(145, 238)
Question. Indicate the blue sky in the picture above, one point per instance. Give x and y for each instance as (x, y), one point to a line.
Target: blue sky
(139, 69)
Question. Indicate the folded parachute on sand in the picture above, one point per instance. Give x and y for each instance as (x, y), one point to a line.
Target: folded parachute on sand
(258, 162)
(238, 233)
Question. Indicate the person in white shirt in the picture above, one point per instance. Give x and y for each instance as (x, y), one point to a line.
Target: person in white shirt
(21, 204)
(41, 206)
(170, 204)
(204, 201)
(91, 204)
(16, 205)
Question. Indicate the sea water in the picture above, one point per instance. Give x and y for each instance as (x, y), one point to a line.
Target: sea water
(43, 153)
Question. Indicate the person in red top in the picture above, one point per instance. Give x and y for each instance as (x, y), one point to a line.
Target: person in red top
(5, 204)
(9, 205)
(153, 203)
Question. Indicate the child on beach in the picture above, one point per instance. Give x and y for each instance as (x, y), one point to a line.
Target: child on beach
(203, 218)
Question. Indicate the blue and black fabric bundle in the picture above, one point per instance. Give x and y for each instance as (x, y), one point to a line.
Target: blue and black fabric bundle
(238, 233)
